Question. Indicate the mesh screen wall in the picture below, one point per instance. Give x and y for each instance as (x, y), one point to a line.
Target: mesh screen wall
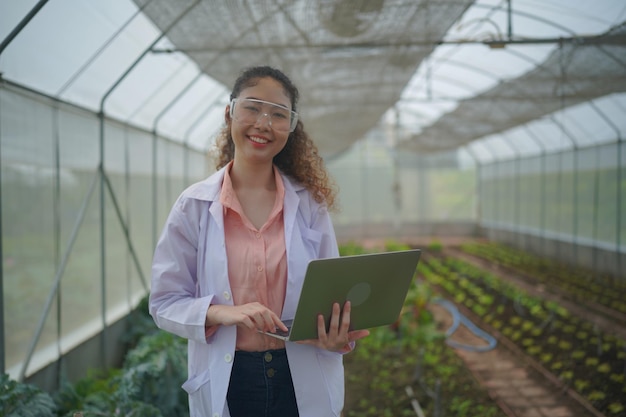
(578, 196)
(50, 177)
(393, 192)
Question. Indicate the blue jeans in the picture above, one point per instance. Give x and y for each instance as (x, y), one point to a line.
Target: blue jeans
(260, 385)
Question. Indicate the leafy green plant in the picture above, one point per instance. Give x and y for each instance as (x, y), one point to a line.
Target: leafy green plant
(392, 245)
(351, 248)
(584, 286)
(24, 400)
(435, 246)
(155, 371)
(96, 386)
(147, 385)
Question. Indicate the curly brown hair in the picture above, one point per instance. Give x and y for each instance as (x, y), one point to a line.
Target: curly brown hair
(300, 158)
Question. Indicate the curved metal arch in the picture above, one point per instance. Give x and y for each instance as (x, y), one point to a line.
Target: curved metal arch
(539, 65)
(470, 67)
(99, 51)
(496, 78)
(454, 82)
(21, 25)
(196, 122)
(202, 71)
(172, 77)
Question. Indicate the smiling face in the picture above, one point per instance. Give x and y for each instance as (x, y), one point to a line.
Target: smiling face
(259, 143)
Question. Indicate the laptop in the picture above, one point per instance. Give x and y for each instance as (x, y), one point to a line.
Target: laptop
(376, 285)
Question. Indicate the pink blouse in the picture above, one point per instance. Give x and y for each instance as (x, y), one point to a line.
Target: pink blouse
(257, 260)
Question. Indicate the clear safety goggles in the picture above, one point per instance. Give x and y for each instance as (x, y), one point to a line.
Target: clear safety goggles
(251, 111)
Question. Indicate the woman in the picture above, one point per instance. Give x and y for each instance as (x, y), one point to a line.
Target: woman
(231, 260)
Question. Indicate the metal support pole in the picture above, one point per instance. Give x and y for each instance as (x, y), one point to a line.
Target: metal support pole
(478, 164)
(517, 201)
(2, 333)
(543, 173)
(618, 239)
(155, 184)
(618, 220)
(101, 168)
(494, 186)
(509, 20)
(596, 209)
(3, 46)
(564, 134)
(56, 214)
(364, 194)
(102, 211)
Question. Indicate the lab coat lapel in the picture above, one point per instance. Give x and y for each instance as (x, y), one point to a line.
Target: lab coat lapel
(295, 250)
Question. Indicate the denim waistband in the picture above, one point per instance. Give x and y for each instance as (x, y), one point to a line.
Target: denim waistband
(277, 353)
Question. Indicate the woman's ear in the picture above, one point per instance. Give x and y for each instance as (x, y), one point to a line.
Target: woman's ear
(227, 114)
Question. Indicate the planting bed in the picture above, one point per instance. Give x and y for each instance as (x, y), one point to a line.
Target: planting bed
(585, 359)
(393, 369)
(408, 364)
(603, 293)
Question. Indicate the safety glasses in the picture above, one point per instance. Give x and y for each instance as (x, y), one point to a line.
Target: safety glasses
(251, 111)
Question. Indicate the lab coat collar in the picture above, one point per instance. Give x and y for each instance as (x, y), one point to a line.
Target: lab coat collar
(209, 189)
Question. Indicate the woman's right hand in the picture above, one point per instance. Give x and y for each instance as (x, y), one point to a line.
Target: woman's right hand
(254, 316)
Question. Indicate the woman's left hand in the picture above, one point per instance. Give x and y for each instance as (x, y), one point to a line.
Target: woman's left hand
(339, 336)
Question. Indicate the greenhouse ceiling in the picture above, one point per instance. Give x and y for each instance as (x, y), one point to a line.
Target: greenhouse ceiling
(495, 77)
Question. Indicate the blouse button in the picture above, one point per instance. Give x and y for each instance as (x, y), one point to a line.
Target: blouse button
(259, 268)
(228, 358)
(227, 295)
(258, 235)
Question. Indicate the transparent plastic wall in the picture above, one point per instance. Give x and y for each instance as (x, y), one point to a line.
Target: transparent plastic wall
(50, 195)
(576, 196)
(380, 186)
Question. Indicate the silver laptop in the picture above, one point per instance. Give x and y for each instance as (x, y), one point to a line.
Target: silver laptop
(376, 285)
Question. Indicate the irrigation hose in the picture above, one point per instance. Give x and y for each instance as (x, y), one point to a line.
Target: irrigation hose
(414, 403)
(457, 320)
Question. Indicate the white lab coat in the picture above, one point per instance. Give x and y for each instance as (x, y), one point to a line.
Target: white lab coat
(190, 272)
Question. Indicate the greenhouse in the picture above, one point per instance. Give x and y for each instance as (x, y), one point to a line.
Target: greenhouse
(489, 134)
